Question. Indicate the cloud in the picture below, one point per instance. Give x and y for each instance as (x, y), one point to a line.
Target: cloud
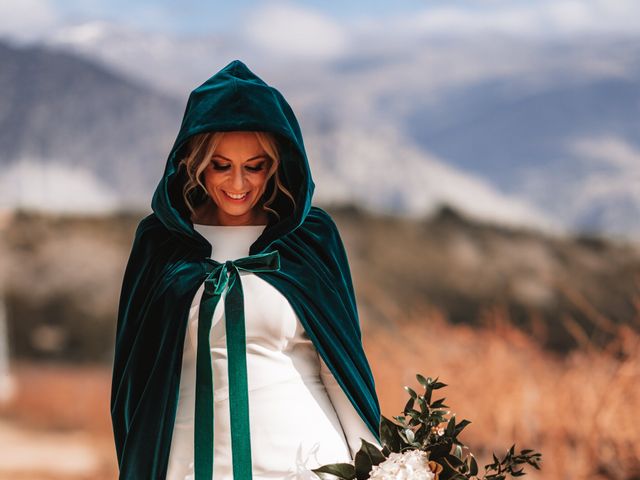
(50, 186)
(294, 31)
(614, 176)
(610, 151)
(538, 18)
(27, 19)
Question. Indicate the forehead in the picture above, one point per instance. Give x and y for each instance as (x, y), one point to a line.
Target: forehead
(239, 141)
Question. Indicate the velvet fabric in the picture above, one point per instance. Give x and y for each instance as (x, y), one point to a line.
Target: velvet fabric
(169, 261)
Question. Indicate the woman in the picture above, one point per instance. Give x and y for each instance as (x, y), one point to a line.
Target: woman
(238, 348)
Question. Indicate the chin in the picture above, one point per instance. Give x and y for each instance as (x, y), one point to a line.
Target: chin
(237, 213)
(235, 209)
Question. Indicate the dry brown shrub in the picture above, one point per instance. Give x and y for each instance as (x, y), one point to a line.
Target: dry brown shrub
(579, 410)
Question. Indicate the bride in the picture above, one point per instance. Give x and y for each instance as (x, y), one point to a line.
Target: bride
(238, 351)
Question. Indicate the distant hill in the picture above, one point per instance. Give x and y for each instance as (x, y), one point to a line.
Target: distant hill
(562, 290)
(59, 112)
(62, 278)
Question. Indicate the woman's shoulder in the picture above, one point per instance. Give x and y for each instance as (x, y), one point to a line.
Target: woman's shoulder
(151, 234)
(318, 217)
(323, 227)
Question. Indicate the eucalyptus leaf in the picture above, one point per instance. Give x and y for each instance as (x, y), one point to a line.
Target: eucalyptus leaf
(445, 449)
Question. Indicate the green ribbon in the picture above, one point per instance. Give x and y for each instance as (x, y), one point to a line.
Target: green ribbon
(223, 275)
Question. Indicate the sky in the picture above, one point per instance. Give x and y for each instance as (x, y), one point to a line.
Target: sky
(32, 18)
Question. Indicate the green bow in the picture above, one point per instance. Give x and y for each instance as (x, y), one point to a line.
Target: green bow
(215, 284)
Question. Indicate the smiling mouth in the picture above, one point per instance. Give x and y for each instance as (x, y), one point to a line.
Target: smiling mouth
(234, 196)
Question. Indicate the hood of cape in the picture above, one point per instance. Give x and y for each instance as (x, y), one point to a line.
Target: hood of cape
(169, 261)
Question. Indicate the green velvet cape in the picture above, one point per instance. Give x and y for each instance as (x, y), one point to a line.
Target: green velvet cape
(169, 261)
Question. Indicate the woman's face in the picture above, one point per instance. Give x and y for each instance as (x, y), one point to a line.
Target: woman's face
(236, 178)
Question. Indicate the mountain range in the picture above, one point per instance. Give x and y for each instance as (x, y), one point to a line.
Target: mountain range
(527, 133)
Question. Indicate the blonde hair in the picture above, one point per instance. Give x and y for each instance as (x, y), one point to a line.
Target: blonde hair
(201, 147)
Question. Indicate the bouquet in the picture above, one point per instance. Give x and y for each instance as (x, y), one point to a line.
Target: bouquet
(424, 445)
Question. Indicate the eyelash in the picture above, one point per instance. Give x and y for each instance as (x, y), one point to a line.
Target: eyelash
(217, 166)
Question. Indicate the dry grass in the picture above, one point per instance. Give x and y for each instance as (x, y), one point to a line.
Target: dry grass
(58, 410)
(580, 411)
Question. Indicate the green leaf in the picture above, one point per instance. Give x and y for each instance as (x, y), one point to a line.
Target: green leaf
(423, 381)
(411, 392)
(363, 465)
(438, 403)
(375, 455)
(457, 451)
(409, 405)
(389, 435)
(460, 426)
(454, 461)
(344, 471)
(473, 465)
(410, 435)
(413, 413)
(424, 408)
(449, 470)
(451, 426)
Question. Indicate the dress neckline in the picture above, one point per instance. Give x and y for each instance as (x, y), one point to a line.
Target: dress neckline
(230, 241)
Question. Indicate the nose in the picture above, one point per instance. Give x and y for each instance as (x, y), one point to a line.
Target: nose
(237, 180)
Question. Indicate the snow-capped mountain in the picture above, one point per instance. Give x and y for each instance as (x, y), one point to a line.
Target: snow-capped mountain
(69, 126)
(384, 171)
(522, 132)
(170, 65)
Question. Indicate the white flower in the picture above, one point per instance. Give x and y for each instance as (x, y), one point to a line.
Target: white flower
(409, 465)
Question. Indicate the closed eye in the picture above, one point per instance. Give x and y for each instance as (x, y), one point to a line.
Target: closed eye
(217, 166)
(256, 168)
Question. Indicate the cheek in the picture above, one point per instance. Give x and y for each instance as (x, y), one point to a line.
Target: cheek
(210, 178)
(258, 181)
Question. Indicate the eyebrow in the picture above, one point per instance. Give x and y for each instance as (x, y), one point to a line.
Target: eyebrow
(262, 155)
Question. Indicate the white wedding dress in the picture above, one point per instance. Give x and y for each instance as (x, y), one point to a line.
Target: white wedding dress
(300, 418)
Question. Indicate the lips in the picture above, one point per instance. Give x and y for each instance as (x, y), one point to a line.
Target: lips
(236, 197)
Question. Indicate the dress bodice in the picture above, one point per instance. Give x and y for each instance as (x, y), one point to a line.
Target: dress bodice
(229, 241)
(299, 415)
